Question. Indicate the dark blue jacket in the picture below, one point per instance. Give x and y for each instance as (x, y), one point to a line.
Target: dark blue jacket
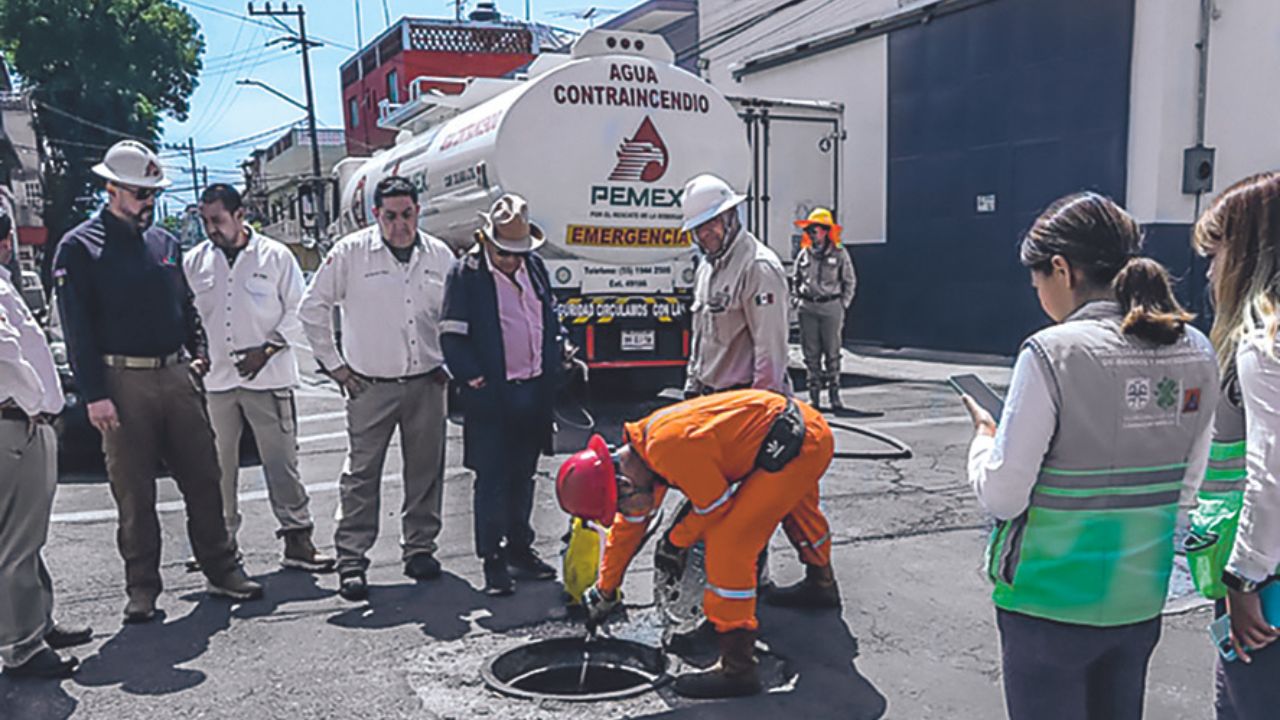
(122, 292)
(471, 337)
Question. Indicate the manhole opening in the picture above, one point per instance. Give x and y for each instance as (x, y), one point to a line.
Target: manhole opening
(574, 669)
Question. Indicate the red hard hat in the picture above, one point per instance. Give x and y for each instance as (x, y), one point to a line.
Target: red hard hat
(587, 485)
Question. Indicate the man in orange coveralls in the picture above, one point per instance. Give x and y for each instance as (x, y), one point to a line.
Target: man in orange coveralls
(747, 460)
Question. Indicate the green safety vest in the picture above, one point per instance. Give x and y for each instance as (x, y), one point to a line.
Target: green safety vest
(1217, 513)
(1095, 547)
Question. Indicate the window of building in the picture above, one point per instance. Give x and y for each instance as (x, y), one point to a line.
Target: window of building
(393, 86)
(353, 109)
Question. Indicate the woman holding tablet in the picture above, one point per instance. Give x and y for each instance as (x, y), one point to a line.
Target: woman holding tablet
(1240, 232)
(1104, 430)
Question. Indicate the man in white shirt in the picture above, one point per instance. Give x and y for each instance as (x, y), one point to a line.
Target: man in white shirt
(247, 288)
(30, 396)
(388, 280)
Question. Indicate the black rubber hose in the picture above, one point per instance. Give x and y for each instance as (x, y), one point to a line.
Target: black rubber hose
(901, 451)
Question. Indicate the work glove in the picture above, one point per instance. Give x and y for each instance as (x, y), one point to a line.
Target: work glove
(670, 559)
(598, 606)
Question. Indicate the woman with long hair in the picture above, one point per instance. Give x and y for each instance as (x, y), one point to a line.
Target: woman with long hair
(1105, 429)
(1240, 233)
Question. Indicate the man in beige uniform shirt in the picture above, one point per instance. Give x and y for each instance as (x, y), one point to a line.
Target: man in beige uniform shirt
(388, 281)
(739, 298)
(30, 395)
(247, 288)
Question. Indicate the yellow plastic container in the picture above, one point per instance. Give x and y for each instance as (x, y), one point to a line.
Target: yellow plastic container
(582, 558)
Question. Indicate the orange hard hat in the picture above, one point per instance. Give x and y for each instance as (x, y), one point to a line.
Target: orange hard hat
(820, 216)
(587, 485)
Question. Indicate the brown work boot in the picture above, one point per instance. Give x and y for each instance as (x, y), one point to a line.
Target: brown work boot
(818, 589)
(235, 585)
(301, 554)
(733, 675)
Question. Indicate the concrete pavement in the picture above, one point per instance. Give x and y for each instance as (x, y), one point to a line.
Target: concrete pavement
(915, 638)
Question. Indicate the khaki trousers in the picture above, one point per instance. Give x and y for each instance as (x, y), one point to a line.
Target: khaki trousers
(417, 407)
(821, 325)
(28, 478)
(272, 416)
(163, 418)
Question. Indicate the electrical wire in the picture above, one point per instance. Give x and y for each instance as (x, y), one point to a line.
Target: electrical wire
(86, 122)
(217, 89)
(256, 21)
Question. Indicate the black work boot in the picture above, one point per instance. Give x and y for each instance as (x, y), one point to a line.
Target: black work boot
(352, 585)
(815, 396)
(65, 636)
(497, 579)
(422, 566)
(45, 665)
(818, 589)
(834, 391)
(301, 554)
(733, 675)
(527, 565)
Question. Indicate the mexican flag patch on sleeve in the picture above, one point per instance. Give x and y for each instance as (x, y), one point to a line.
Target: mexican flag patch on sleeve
(764, 299)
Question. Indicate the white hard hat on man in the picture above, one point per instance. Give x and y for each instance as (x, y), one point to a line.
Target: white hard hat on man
(131, 163)
(705, 197)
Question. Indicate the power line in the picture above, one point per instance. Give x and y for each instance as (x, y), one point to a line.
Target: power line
(239, 141)
(271, 26)
(84, 121)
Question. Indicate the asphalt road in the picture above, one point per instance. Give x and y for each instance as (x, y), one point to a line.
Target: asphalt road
(915, 639)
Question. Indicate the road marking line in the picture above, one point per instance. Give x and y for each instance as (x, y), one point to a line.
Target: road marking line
(168, 506)
(304, 439)
(321, 417)
(920, 422)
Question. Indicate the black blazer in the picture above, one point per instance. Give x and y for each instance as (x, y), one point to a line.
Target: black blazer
(471, 337)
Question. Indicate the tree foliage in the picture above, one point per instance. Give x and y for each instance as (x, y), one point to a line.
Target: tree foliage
(100, 71)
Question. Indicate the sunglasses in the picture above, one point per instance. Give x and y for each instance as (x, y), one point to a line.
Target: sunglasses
(506, 253)
(813, 229)
(142, 194)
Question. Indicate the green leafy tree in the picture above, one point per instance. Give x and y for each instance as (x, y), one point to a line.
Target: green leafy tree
(100, 71)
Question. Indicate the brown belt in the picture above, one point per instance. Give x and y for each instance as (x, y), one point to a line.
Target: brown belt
(131, 362)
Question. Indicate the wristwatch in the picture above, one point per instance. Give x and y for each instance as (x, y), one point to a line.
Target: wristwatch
(1241, 584)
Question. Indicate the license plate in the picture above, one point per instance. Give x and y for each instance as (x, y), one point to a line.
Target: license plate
(637, 340)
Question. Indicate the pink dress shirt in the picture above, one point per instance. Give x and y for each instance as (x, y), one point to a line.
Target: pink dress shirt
(520, 314)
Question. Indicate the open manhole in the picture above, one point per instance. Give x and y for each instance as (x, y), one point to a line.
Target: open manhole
(575, 669)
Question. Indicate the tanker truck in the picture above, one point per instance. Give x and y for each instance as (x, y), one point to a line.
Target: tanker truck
(600, 142)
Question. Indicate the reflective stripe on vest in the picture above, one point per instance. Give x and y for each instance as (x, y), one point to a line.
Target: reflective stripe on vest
(1227, 471)
(1112, 489)
(728, 594)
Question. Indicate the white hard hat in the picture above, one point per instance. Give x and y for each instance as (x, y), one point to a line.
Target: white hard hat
(706, 196)
(131, 163)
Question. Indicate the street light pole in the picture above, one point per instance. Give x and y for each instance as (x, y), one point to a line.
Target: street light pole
(300, 13)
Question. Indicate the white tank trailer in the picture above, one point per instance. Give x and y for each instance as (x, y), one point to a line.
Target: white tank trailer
(600, 142)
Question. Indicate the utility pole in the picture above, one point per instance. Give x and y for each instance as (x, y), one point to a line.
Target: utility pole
(359, 29)
(195, 179)
(300, 39)
(204, 177)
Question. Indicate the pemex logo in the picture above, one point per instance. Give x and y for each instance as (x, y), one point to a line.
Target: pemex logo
(642, 158)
